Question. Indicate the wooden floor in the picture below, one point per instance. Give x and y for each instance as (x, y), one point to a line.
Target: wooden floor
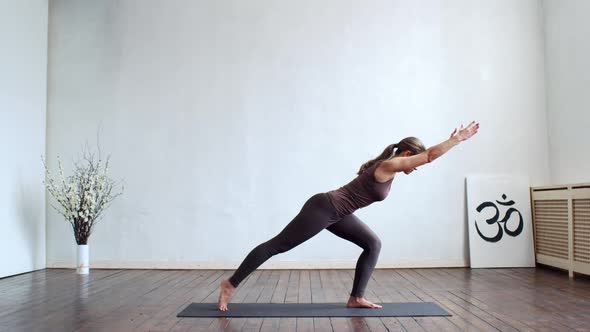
(148, 300)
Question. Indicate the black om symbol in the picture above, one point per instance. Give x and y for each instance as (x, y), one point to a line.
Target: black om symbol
(504, 220)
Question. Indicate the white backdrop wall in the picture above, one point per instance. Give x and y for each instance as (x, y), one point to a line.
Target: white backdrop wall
(23, 81)
(224, 117)
(568, 78)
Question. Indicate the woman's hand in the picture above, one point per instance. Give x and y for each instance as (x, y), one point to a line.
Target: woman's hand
(462, 134)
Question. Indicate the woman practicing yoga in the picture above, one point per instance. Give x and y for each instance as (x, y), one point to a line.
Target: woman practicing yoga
(333, 210)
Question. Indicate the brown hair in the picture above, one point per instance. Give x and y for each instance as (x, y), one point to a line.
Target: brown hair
(412, 144)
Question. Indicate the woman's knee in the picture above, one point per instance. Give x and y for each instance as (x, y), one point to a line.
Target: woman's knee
(374, 244)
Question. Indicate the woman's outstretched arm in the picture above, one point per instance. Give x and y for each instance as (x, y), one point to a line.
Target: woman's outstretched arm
(411, 162)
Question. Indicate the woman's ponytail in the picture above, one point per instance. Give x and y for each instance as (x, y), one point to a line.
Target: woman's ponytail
(386, 154)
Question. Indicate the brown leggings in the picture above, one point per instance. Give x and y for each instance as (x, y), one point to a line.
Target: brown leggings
(316, 214)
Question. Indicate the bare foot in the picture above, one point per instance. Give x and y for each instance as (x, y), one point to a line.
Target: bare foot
(226, 291)
(359, 302)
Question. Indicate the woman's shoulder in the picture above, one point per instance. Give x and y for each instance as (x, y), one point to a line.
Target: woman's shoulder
(380, 176)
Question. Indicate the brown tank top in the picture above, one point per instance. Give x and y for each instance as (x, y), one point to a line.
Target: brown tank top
(360, 192)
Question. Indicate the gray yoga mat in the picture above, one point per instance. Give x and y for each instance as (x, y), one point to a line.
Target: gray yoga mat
(407, 309)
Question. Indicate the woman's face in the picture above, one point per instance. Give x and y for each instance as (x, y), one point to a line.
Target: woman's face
(408, 154)
(408, 172)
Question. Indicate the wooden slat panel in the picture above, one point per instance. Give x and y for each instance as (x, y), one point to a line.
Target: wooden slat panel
(554, 243)
(551, 253)
(580, 259)
(581, 216)
(555, 235)
(556, 206)
(551, 218)
(549, 202)
(551, 227)
(551, 222)
(582, 236)
(555, 227)
(582, 227)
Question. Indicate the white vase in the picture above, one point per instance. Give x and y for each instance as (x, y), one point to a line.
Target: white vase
(83, 266)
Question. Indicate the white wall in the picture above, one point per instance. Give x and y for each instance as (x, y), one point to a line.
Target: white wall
(224, 117)
(567, 50)
(23, 79)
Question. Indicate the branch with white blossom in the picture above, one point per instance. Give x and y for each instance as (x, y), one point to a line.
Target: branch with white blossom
(83, 196)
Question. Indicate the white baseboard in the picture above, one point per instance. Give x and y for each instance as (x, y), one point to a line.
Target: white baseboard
(229, 265)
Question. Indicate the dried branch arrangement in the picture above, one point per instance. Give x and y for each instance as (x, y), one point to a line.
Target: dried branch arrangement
(83, 196)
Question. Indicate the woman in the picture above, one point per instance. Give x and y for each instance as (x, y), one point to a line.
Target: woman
(333, 210)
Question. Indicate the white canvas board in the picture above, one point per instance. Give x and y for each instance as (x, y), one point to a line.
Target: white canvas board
(499, 221)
